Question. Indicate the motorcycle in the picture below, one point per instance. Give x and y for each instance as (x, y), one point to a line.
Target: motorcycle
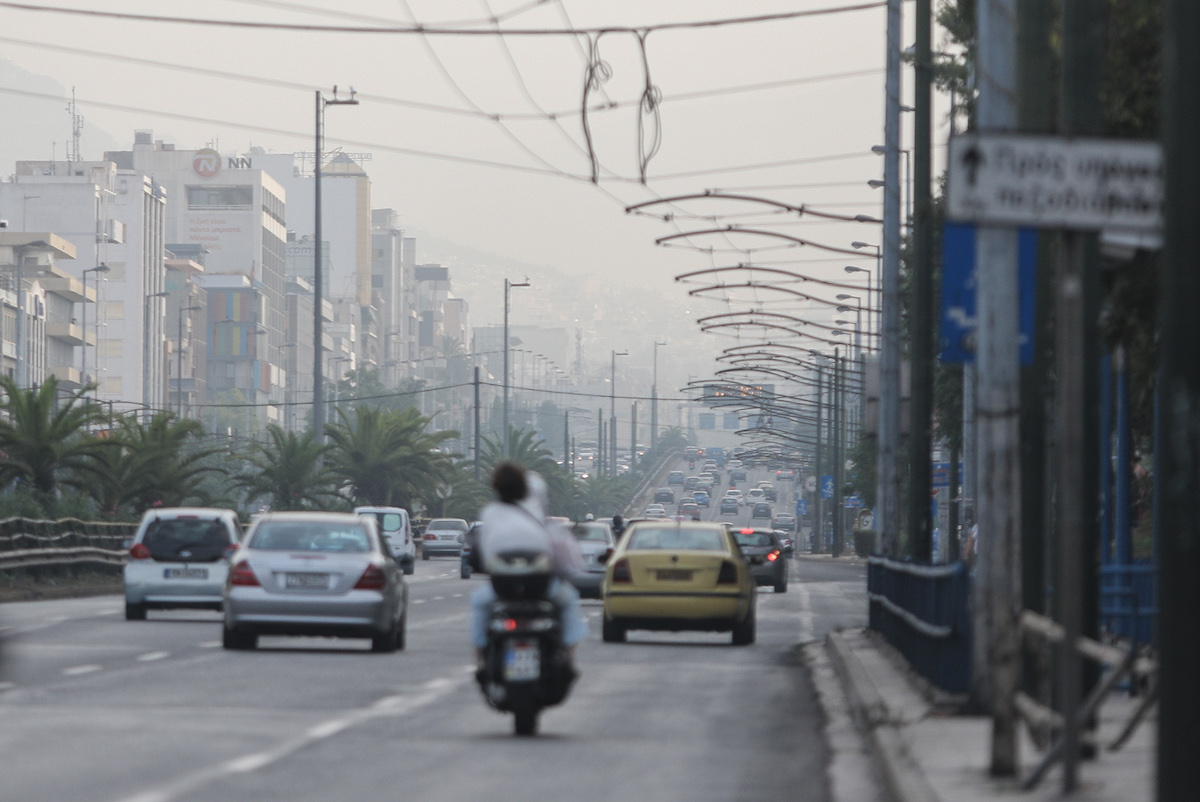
(526, 667)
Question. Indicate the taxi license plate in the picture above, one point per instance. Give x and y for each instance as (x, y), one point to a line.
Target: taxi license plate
(522, 662)
(674, 575)
(185, 573)
(307, 581)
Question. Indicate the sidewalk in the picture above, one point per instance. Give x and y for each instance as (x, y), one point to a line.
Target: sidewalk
(926, 752)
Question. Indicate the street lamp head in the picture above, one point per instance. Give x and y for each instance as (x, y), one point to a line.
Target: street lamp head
(842, 296)
(866, 218)
(857, 244)
(855, 269)
(876, 183)
(100, 268)
(844, 309)
(879, 149)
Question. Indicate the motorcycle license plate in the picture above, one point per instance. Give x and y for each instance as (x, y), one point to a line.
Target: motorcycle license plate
(522, 662)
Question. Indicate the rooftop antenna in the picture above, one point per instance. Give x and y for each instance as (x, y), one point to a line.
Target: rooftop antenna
(76, 129)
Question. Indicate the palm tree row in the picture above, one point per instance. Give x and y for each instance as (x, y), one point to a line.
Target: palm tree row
(57, 448)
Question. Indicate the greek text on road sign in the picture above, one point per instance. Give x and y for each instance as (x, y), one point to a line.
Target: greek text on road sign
(1055, 182)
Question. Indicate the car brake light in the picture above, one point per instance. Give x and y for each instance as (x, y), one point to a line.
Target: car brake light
(747, 531)
(510, 624)
(243, 575)
(621, 572)
(371, 579)
(728, 574)
(773, 556)
(431, 537)
(139, 552)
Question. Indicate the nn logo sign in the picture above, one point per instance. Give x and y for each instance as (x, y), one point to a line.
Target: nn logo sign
(206, 163)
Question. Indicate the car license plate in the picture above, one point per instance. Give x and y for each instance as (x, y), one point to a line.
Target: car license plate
(522, 662)
(307, 581)
(185, 573)
(674, 575)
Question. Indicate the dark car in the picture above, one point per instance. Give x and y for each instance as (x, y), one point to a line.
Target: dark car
(729, 505)
(737, 475)
(761, 510)
(664, 495)
(470, 562)
(770, 493)
(765, 553)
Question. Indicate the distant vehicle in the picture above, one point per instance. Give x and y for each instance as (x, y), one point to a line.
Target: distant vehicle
(690, 509)
(691, 482)
(755, 494)
(765, 554)
(318, 574)
(733, 463)
(664, 495)
(177, 558)
(702, 498)
(736, 494)
(675, 478)
(443, 536)
(761, 510)
(716, 453)
(737, 474)
(785, 475)
(596, 541)
(770, 493)
(785, 521)
(705, 483)
(729, 504)
(396, 528)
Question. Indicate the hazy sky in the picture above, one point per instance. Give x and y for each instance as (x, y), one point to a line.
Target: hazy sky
(811, 130)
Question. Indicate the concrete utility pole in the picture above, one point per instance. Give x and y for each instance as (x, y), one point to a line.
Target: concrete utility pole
(1179, 389)
(920, 406)
(998, 596)
(887, 519)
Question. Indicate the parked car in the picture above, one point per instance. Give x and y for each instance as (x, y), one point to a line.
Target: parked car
(178, 558)
(444, 537)
(764, 552)
(318, 574)
(684, 576)
(396, 528)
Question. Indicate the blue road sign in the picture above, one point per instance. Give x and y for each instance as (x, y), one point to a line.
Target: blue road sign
(941, 474)
(827, 486)
(801, 507)
(853, 501)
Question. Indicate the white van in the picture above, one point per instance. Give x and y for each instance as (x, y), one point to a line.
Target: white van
(396, 527)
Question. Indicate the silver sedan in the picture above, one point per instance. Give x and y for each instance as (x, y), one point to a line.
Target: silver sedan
(315, 573)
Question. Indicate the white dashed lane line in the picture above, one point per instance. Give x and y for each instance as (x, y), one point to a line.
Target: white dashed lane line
(209, 644)
(7, 686)
(418, 601)
(75, 671)
(150, 657)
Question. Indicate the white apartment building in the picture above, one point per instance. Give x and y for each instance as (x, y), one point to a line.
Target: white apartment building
(115, 219)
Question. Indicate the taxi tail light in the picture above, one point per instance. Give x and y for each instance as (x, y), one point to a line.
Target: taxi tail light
(243, 575)
(728, 574)
(139, 552)
(621, 572)
(372, 579)
(773, 556)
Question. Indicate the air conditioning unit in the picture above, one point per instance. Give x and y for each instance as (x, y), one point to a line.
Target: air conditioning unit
(114, 231)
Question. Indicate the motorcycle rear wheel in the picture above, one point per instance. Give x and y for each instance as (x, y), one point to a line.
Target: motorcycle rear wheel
(525, 720)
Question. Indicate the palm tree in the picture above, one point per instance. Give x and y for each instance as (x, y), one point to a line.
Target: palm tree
(529, 451)
(152, 464)
(457, 495)
(44, 439)
(387, 456)
(288, 471)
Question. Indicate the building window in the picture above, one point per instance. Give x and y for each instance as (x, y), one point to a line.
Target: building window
(732, 420)
(112, 385)
(111, 347)
(707, 420)
(114, 310)
(212, 196)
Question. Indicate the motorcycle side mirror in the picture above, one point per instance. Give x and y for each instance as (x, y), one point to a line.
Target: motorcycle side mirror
(603, 558)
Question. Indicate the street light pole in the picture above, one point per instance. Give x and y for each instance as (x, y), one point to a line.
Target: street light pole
(98, 269)
(612, 413)
(508, 285)
(179, 361)
(654, 400)
(318, 283)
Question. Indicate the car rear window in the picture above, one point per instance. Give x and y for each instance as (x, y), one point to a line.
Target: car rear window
(186, 539)
(310, 536)
(754, 539)
(682, 537)
(590, 534)
(448, 524)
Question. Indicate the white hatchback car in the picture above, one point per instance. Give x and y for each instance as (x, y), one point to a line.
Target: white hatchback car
(178, 558)
(755, 495)
(396, 527)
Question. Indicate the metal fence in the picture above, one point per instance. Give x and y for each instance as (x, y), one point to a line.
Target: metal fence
(34, 542)
(924, 612)
(1127, 602)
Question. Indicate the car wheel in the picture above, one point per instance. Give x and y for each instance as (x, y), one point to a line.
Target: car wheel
(612, 632)
(465, 571)
(743, 631)
(135, 612)
(409, 567)
(402, 632)
(424, 554)
(781, 585)
(525, 720)
(385, 642)
(241, 641)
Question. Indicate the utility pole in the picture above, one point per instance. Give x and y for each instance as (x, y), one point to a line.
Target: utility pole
(1179, 288)
(476, 432)
(888, 474)
(1077, 359)
(633, 437)
(998, 597)
(839, 457)
(818, 526)
(920, 406)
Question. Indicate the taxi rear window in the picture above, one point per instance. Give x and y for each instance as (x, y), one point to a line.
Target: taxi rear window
(655, 537)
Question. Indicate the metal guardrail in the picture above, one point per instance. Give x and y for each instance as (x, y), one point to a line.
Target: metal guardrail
(1128, 607)
(924, 611)
(37, 543)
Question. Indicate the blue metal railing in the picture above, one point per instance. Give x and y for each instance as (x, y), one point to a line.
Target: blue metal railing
(1127, 602)
(924, 611)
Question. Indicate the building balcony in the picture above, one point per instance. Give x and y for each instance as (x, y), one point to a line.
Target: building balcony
(68, 377)
(70, 333)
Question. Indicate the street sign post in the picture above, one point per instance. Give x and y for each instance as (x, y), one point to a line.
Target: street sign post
(827, 486)
(801, 507)
(1055, 182)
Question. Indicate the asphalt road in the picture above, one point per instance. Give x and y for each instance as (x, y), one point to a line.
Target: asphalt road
(96, 708)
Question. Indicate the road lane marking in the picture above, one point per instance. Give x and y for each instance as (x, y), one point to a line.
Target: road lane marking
(75, 671)
(458, 595)
(389, 706)
(438, 598)
(209, 644)
(418, 601)
(150, 657)
(7, 686)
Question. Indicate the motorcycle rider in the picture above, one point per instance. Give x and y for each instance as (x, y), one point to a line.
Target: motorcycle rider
(517, 521)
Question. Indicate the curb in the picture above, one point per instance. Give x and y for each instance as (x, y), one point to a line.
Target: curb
(904, 779)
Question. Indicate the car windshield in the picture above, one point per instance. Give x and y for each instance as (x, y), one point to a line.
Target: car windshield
(310, 536)
(676, 537)
(589, 534)
(753, 539)
(190, 539)
(447, 524)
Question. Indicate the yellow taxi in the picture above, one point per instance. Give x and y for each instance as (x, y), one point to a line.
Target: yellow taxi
(678, 575)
